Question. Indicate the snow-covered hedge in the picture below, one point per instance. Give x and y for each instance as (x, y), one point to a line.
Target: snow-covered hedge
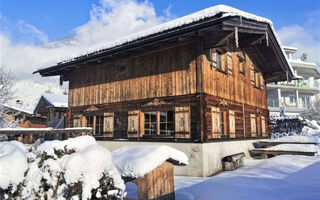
(76, 168)
(293, 126)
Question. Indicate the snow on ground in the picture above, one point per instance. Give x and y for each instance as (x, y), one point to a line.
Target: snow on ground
(294, 147)
(281, 177)
(297, 139)
(136, 161)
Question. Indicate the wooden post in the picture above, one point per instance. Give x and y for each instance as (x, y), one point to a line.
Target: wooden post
(157, 184)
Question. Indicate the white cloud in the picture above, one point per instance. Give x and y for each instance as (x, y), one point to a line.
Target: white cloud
(109, 20)
(305, 37)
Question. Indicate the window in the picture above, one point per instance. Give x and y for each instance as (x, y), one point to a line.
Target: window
(89, 121)
(158, 123)
(241, 62)
(99, 125)
(305, 101)
(121, 69)
(96, 122)
(292, 99)
(166, 123)
(222, 123)
(218, 60)
(150, 123)
(241, 65)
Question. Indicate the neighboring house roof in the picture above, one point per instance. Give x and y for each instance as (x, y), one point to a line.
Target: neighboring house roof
(22, 110)
(291, 49)
(51, 100)
(201, 20)
(306, 65)
(56, 100)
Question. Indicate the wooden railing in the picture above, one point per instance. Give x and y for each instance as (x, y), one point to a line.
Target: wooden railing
(29, 135)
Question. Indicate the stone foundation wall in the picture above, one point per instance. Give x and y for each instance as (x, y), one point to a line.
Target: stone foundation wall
(204, 158)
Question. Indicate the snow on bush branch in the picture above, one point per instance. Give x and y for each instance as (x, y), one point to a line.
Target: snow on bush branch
(76, 168)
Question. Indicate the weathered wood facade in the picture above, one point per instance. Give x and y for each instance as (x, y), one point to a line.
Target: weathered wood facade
(205, 82)
(178, 79)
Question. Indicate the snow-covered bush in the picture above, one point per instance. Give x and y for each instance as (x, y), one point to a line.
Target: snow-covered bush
(293, 126)
(13, 166)
(76, 168)
(312, 112)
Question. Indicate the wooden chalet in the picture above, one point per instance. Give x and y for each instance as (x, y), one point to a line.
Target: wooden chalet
(53, 107)
(199, 78)
(24, 117)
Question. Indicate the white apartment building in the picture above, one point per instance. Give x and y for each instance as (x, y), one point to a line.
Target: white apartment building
(296, 95)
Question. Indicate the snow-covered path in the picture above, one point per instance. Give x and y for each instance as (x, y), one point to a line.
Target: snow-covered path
(281, 177)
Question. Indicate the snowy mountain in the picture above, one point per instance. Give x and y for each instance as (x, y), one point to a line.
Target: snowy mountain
(28, 92)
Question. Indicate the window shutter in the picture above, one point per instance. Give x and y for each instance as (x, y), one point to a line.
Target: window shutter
(232, 124)
(77, 121)
(252, 74)
(182, 119)
(215, 114)
(261, 82)
(229, 64)
(108, 123)
(253, 125)
(133, 123)
(213, 57)
(263, 126)
(257, 79)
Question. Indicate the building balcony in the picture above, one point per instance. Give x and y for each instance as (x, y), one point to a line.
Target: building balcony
(296, 85)
(288, 109)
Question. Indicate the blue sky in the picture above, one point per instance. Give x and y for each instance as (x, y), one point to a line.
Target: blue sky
(25, 24)
(57, 18)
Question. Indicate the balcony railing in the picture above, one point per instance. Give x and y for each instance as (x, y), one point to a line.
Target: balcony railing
(302, 84)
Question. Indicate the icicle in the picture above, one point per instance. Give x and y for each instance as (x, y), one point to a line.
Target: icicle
(236, 36)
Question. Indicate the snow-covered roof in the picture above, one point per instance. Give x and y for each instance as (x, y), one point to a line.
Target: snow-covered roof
(57, 100)
(136, 161)
(291, 49)
(220, 11)
(23, 110)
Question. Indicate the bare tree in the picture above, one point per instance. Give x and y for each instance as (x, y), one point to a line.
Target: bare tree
(6, 94)
(313, 111)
